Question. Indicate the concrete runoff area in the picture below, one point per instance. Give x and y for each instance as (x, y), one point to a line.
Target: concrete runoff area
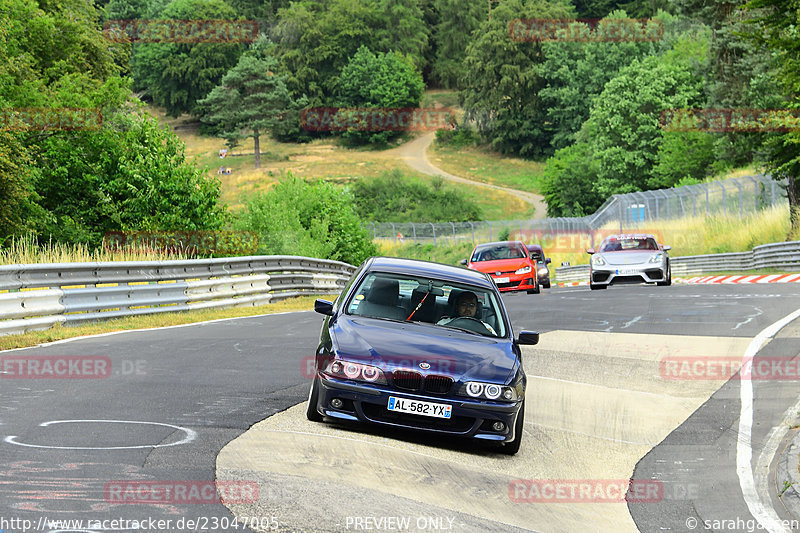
(596, 403)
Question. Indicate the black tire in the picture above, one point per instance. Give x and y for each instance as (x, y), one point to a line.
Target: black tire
(313, 398)
(511, 448)
(596, 287)
(668, 281)
(546, 285)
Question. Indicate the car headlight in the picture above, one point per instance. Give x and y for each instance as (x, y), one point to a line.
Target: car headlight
(598, 260)
(543, 271)
(657, 258)
(523, 270)
(488, 391)
(355, 371)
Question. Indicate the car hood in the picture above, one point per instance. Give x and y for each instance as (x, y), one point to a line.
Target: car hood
(393, 345)
(628, 258)
(500, 265)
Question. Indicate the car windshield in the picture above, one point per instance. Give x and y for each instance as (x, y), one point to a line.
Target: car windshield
(536, 255)
(615, 244)
(493, 252)
(437, 302)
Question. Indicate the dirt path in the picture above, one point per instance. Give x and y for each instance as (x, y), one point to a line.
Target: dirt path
(414, 153)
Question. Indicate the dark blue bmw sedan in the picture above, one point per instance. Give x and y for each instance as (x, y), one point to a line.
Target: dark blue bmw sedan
(425, 346)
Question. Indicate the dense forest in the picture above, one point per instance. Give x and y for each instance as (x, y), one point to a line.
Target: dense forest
(593, 108)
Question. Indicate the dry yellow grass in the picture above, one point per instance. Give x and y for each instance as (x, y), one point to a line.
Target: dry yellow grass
(320, 159)
(24, 250)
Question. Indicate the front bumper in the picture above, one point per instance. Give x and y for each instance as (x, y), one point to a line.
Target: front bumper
(515, 282)
(367, 403)
(639, 273)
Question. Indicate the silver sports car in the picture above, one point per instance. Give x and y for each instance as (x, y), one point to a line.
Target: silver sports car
(629, 259)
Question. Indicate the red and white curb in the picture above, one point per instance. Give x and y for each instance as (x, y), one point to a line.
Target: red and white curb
(760, 278)
(771, 278)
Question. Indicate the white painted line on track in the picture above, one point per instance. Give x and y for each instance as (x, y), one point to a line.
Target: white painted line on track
(764, 514)
(190, 436)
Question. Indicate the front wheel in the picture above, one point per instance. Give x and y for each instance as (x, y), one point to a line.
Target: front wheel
(668, 281)
(596, 287)
(511, 448)
(313, 398)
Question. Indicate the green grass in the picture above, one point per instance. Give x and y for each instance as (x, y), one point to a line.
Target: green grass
(485, 166)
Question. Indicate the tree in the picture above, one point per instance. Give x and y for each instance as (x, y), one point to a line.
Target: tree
(130, 175)
(577, 72)
(15, 192)
(404, 30)
(457, 20)
(383, 80)
(741, 75)
(776, 28)
(681, 155)
(315, 40)
(250, 100)
(176, 75)
(569, 179)
(503, 80)
(624, 125)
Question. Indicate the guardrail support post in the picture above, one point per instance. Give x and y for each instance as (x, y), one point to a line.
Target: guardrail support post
(434, 233)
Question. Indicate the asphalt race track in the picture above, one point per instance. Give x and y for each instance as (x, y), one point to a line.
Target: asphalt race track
(611, 403)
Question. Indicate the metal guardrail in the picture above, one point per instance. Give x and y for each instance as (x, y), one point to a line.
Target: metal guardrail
(42, 295)
(778, 256)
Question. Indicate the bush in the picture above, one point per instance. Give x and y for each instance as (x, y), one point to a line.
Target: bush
(396, 198)
(309, 219)
(458, 138)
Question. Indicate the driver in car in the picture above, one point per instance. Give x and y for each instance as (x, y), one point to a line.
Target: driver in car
(466, 307)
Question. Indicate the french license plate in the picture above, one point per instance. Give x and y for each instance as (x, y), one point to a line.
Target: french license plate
(502, 280)
(627, 272)
(414, 407)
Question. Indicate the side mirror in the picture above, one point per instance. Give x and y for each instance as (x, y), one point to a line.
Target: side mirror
(590, 251)
(666, 247)
(547, 260)
(528, 337)
(464, 262)
(323, 307)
